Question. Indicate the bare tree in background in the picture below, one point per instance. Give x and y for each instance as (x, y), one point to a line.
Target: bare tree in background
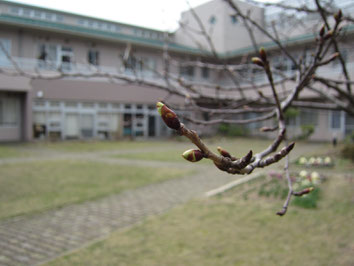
(268, 99)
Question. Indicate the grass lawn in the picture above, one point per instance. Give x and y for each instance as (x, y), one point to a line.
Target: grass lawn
(12, 150)
(231, 230)
(172, 151)
(15, 150)
(36, 186)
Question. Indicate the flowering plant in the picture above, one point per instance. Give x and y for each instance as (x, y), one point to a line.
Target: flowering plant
(316, 161)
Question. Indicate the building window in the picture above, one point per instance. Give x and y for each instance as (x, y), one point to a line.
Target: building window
(134, 64)
(308, 117)
(103, 105)
(9, 111)
(15, 10)
(66, 58)
(59, 18)
(7, 45)
(116, 105)
(205, 72)
(54, 104)
(117, 28)
(38, 14)
(47, 56)
(87, 105)
(186, 71)
(48, 16)
(234, 19)
(93, 57)
(336, 119)
(27, 12)
(71, 104)
(39, 103)
(212, 20)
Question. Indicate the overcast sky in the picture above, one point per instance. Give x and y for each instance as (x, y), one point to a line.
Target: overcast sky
(157, 14)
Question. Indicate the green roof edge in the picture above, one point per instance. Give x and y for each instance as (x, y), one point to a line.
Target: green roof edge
(87, 32)
(47, 25)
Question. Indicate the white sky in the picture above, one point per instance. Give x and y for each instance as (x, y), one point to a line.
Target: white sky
(156, 14)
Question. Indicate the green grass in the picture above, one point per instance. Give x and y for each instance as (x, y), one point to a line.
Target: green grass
(171, 151)
(12, 150)
(236, 146)
(161, 155)
(93, 146)
(238, 227)
(36, 186)
(228, 230)
(15, 150)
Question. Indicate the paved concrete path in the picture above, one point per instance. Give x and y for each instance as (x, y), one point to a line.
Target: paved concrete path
(32, 240)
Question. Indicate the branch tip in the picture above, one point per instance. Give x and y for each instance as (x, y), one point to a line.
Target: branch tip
(257, 61)
(168, 116)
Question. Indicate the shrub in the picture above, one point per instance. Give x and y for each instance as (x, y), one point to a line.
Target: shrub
(306, 131)
(232, 130)
(308, 201)
(348, 151)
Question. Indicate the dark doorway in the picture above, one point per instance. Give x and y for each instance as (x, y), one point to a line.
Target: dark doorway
(152, 127)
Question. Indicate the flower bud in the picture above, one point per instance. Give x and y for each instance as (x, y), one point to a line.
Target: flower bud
(193, 155)
(304, 191)
(338, 15)
(168, 116)
(224, 152)
(257, 61)
(263, 54)
(266, 129)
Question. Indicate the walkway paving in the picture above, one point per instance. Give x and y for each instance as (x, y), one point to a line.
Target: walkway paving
(32, 240)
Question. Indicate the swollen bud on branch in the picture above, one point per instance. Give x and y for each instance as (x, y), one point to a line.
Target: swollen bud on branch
(193, 155)
(338, 15)
(169, 117)
(304, 191)
(267, 129)
(263, 54)
(223, 152)
(257, 61)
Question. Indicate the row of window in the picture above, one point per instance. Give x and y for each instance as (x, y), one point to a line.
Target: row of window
(311, 117)
(37, 14)
(98, 25)
(52, 55)
(233, 18)
(189, 72)
(90, 23)
(91, 105)
(95, 24)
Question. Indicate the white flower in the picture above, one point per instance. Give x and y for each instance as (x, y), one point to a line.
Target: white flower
(328, 160)
(303, 173)
(315, 177)
(302, 160)
(312, 160)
